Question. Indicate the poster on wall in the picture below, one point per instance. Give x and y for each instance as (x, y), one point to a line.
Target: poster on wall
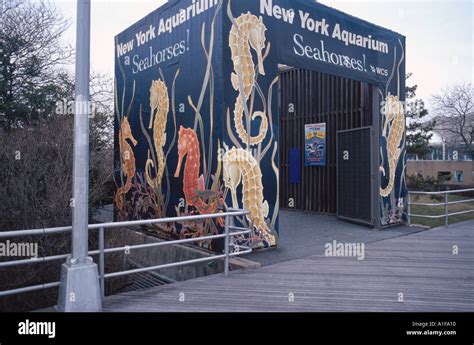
(315, 144)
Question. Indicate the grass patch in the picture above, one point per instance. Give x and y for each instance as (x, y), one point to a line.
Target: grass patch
(439, 210)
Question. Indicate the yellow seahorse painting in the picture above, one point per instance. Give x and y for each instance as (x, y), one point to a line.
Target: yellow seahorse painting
(247, 32)
(395, 116)
(241, 167)
(159, 104)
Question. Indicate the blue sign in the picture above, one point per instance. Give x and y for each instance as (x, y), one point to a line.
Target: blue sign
(310, 35)
(315, 144)
(295, 165)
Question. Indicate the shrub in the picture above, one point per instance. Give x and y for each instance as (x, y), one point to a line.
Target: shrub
(424, 184)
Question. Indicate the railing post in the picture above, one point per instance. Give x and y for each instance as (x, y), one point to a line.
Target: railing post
(226, 263)
(446, 221)
(409, 208)
(102, 262)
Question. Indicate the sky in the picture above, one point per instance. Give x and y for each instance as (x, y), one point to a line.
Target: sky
(439, 34)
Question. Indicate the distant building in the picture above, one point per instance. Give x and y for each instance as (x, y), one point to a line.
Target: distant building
(448, 153)
(460, 172)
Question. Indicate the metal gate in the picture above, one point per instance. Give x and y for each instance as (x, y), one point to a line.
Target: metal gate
(308, 97)
(354, 175)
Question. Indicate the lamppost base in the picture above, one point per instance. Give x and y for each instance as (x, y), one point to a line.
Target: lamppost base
(79, 290)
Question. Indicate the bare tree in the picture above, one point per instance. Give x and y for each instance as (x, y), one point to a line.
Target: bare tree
(36, 174)
(454, 109)
(31, 58)
(36, 139)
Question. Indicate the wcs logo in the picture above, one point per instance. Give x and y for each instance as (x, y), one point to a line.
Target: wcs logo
(379, 71)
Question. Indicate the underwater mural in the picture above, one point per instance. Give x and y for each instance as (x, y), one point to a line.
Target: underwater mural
(168, 81)
(196, 109)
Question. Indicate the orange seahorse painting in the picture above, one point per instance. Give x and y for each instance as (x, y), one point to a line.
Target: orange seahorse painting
(193, 183)
(128, 161)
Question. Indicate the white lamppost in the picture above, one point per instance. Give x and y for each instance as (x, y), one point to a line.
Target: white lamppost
(79, 290)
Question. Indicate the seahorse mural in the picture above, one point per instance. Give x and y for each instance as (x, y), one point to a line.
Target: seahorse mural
(395, 116)
(241, 166)
(159, 103)
(193, 183)
(128, 160)
(247, 31)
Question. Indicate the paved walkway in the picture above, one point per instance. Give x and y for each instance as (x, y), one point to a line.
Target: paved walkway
(304, 234)
(421, 266)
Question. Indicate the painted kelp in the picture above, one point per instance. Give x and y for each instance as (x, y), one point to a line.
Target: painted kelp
(196, 128)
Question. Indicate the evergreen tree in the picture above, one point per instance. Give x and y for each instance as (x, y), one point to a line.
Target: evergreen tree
(419, 126)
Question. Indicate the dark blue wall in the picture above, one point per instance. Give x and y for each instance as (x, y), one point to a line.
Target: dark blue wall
(193, 59)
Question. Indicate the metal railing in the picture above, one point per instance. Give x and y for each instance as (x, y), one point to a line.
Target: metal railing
(230, 231)
(446, 204)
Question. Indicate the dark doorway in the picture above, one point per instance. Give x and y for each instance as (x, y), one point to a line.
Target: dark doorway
(354, 175)
(308, 97)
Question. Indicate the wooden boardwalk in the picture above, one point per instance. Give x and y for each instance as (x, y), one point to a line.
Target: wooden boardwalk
(421, 266)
